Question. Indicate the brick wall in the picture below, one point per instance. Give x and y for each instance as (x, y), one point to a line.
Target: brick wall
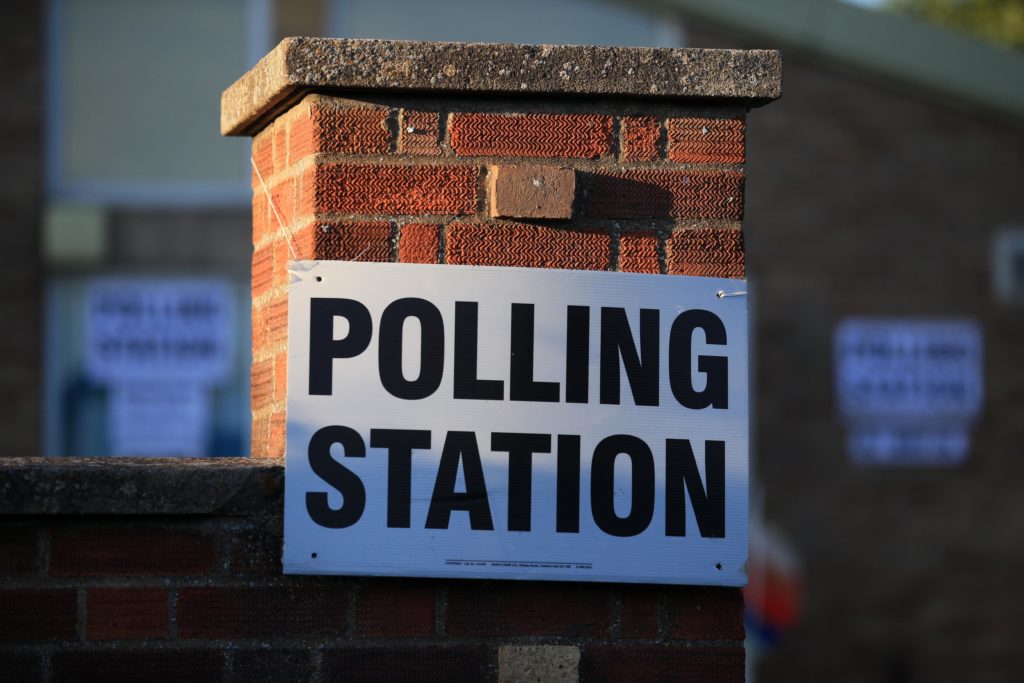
(407, 180)
(183, 582)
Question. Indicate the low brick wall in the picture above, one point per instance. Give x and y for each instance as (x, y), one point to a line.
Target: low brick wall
(170, 570)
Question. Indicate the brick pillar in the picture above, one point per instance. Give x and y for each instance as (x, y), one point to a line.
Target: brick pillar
(427, 153)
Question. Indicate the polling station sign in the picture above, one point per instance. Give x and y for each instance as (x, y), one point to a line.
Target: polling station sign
(479, 422)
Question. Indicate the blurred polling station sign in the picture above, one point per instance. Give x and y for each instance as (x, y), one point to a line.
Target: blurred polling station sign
(159, 345)
(908, 390)
(478, 422)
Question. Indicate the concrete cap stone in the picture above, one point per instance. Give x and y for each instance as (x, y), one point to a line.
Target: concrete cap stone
(301, 65)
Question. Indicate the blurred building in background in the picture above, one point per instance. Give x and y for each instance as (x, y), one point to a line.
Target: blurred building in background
(884, 186)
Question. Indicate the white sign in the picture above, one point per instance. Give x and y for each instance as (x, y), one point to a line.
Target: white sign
(481, 422)
(909, 389)
(159, 329)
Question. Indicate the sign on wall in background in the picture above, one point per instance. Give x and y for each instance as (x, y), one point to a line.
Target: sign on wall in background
(159, 345)
(908, 390)
(515, 423)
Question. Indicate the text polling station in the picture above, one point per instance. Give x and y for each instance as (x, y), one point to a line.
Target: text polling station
(481, 422)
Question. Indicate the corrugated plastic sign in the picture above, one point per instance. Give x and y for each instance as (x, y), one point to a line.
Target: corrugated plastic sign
(478, 422)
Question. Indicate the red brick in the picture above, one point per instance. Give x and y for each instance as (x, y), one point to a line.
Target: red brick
(419, 243)
(638, 252)
(695, 613)
(263, 156)
(256, 550)
(262, 611)
(263, 270)
(419, 133)
(261, 384)
(280, 146)
(706, 253)
(263, 225)
(661, 664)
(275, 317)
(283, 204)
(259, 436)
(276, 434)
(37, 615)
(394, 190)
(638, 612)
(531, 191)
(639, 137)
(19, 551)
(273, 665)
(584, 136)
(428, 664)
(113, 666)
(390, 609)
(706, 141)
(660, 193)
(345, 241)
(280, 377)
(125, 613)
(534, 609)
(332, 129)
(532, 246)
(131, 552)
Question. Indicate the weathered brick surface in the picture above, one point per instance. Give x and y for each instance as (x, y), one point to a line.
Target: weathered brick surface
(332, 129)
(395, 609)
(419, 132)
(419, 243)
(140, 551)
(661, 664)
(706, 141)
(126, 613)
(638, 252)
(395, 190)
(639, 138)
(697, 613)
(425, 664)
(706, 253)
(263, 157)
(657, 193)
(130, 666)
(234, 612)
(46, 614)
(531, 191)
(530, 609)
(530, 246)
(19, 551)
(583, 136)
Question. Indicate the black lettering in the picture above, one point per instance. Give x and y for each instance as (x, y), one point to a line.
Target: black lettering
(641, 370)
(392, 325)
(400, 444)
(467, 385)
(460, 446)
(716, 368)
(521, 385)
(708, 502)
(344, 480)
(567, 513)
(324, 348)
(602, 485)
(577, 354)
(520, 449)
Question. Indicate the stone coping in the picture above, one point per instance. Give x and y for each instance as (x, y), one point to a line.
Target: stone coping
(301, 65)
(140, 486)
